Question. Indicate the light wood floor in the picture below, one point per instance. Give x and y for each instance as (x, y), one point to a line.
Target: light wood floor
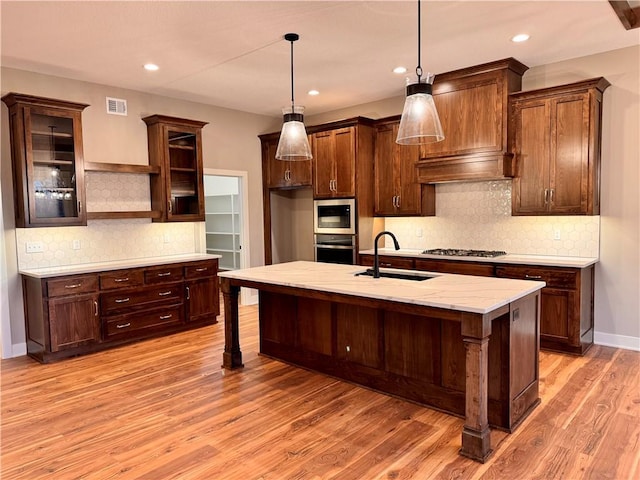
(164, 409)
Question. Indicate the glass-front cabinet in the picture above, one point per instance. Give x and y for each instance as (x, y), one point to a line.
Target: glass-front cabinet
(48, 163)
(175, 144)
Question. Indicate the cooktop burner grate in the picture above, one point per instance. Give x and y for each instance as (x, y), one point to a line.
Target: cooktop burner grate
(454, 252)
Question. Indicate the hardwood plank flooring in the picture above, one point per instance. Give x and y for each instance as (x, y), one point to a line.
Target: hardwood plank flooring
(164, 409)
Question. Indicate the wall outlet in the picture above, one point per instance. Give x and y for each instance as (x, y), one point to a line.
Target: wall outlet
(418, 232)
(35, 247)
(75, 244)
(166, 238)
(556, 234)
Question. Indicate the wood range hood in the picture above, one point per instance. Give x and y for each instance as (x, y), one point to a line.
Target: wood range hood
(473, 105)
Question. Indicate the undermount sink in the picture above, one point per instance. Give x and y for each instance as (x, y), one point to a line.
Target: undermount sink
(417, 277)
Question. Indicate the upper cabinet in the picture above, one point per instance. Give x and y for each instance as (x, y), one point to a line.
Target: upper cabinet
(396, 187)
(284, 174)
(47, 157)
(556, 143)
(175, 144)
(472, 105)
(334, 157)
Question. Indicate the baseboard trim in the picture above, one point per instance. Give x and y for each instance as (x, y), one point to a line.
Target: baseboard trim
(17, 350)
(618, 341)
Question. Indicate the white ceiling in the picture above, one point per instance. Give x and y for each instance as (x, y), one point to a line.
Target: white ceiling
(231, 53)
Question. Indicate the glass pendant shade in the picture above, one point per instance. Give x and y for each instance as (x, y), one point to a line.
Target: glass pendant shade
(420, 122)
(293, 144)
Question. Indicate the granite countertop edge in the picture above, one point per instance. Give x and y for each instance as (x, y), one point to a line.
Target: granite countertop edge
(517, 259)
(81, 268)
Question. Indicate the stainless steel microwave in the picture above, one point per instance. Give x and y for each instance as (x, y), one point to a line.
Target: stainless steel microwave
(335, 216)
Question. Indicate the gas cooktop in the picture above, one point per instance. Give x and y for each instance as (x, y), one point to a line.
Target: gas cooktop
(454, 252)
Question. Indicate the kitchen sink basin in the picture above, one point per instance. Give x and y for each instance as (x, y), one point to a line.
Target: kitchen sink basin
(417, 277)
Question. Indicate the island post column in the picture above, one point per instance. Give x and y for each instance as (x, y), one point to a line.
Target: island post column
(232, 356)
(476, 436)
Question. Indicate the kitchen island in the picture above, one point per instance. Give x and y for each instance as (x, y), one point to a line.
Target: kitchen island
(461, 344)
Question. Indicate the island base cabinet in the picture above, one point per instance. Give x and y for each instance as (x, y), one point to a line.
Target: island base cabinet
(420, 358)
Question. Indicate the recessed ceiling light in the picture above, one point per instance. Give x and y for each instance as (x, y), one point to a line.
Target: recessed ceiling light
(521, 37)
(152, 67)
(313, 92)
(400, 70)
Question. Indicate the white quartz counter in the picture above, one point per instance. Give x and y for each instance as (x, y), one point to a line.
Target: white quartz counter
(541, 260)
(115, 265)
(465, 293)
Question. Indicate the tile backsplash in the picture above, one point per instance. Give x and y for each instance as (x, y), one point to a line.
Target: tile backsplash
(477, 215)
(109, 240)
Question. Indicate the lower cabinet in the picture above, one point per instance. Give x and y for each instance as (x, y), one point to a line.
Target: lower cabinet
(77, 314)
(413, 356)
(566, 310)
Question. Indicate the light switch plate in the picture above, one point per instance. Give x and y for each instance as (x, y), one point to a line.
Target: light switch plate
(35, 247)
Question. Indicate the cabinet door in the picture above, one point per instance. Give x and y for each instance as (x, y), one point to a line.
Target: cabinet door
(385, 170)
(569, 169)
(345, 162)
(73, 321)
(323, 164)
(185, 189)
(202, 299)
(532, 149)
(285, 174)
(554, 314)
(409, 200)
(55, 171)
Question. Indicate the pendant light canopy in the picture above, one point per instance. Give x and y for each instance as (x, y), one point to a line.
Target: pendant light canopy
(419, 122)
(293, 143)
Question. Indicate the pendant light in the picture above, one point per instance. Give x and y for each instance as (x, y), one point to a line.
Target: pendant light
(293, 143)
(419, 122)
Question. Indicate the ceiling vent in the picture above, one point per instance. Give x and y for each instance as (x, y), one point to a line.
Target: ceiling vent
(116, 106)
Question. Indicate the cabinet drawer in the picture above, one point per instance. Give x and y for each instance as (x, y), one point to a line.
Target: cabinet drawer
(72, 285)
(555, 278)
(163, 274)
(389, 261)
(207, 268)
(121, 279)
(144, 297)
(123, 324)
(460, 268)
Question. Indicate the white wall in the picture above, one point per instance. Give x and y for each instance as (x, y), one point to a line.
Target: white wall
(229, 141)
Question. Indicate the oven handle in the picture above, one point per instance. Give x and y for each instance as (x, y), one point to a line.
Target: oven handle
(335, 247)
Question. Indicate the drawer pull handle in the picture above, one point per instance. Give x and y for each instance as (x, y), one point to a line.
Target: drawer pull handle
(75, 285)
(122, 300)
(95, 304)
(383, 264)
(188, 294)
(117, 280)
(165, 274)
(124, 325)
(165, 317)
(533, 277)
(164, 294)
(203, 269)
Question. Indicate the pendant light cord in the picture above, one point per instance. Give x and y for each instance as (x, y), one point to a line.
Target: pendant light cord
(292, 102)
(419, 67)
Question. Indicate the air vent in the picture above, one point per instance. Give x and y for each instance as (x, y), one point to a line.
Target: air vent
(116, 106)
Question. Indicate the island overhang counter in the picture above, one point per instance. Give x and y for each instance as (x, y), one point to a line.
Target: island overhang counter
(461, 344)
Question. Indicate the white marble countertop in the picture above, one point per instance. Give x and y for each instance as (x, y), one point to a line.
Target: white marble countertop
(114, 265)
(520, 259)
(465, 293)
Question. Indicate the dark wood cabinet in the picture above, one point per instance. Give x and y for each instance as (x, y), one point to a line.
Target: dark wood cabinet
(472, 104)
(175, 144)
(334, 159)
(47, 160)
(201, 284)
(566, 310)
(281, 174)
(556, 143)
(566, 319)
(397, 191)
(77, 314)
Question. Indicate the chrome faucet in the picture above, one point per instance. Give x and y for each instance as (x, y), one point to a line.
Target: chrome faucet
(376, 263)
